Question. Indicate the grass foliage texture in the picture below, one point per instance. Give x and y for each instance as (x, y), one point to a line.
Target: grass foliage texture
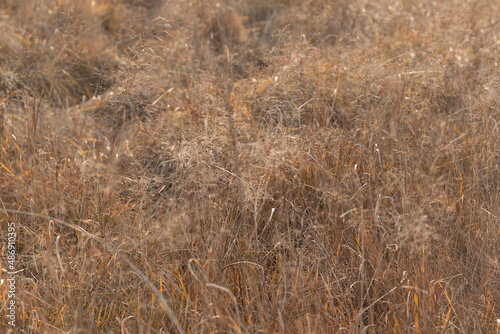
(257, 166)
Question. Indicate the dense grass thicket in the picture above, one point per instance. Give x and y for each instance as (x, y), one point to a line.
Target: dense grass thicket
(259, 166)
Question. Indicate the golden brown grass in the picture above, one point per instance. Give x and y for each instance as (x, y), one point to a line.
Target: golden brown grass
(252, 166)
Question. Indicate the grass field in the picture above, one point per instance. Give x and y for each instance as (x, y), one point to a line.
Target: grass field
(257, 166)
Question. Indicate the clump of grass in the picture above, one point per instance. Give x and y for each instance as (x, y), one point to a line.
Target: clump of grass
(279, 166)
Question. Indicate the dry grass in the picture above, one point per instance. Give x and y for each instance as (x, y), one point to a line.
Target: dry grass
(252, 166)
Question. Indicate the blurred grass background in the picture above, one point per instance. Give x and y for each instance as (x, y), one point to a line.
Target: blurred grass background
(269, 166)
